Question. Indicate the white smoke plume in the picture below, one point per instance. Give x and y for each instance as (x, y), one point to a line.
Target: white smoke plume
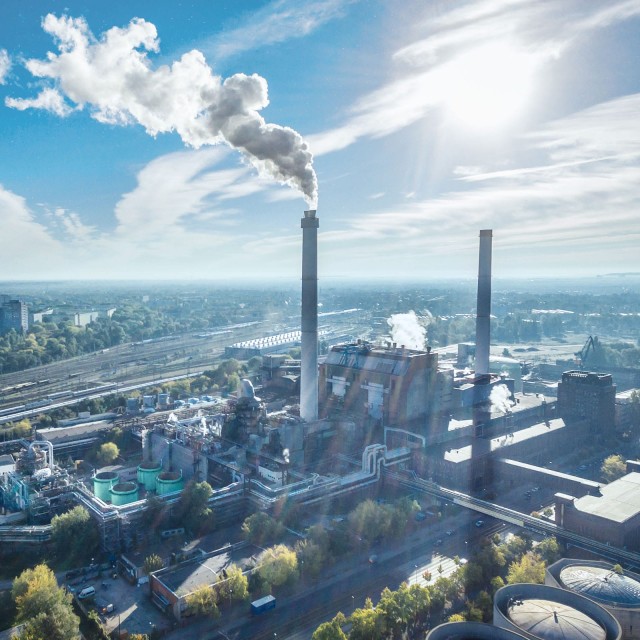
(408, 330)
(500, 398)
(114, 79)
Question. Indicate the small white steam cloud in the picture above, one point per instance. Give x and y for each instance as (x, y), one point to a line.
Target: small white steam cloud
(409, 330)
(5, 65)
(500, 398)
(114, 78)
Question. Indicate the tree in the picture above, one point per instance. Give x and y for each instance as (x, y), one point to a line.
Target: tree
(548, 550)
(235, 586)
(331, 630)
(153, 563)
(529, 569)
(192, 510)
(311, 557)
(612, 468)
(366, 623)
(370, 520)
(260, 529)
(74, 535)
(203, 601)
(43, 606)
(108, 453)
(278, 565)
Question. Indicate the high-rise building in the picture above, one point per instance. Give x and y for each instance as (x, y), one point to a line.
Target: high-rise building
(14, 314)
(584, 395)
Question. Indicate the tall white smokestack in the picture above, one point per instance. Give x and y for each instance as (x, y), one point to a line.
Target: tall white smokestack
(309, 320)
(483, 334)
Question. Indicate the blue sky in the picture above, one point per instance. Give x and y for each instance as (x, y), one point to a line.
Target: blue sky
(178, 140)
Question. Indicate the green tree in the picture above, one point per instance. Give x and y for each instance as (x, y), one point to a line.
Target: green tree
(278, 565)
(153, 563)
(370, 520)
(74, 535)
(548, 550)
(203, 602)
(192, 510)
(108, 453)
(57, 623)
(367, 623)
(530, 568)
(311, 557)
(235, 586)
(43, 606)
(331, 630)
(261, 529)
(612, 468)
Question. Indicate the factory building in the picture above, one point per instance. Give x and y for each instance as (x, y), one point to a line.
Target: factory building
(542, 612)
(618, 592)
(391, 385)
(590, 396)
(612, 516)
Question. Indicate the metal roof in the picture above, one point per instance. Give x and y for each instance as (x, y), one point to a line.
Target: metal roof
(551, 620)
(619, 502)
(602, 585)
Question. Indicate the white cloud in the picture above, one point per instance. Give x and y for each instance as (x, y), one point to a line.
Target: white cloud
(113, 77)
(48, 99)
(582, 208)
(5, 65)
(28, 248)
(277, 22)
(543, 31)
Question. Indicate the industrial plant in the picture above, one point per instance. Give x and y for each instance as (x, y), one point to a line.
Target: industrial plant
(452, 423)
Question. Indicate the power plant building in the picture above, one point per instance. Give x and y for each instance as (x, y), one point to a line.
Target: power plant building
(393, 385)
(611, 517)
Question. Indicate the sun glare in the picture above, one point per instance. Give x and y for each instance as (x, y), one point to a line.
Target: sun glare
(488, 86)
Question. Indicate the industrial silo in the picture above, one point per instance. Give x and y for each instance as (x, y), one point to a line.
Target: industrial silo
(540, 612)
(168, 482)
(124, 493)
(102, 483)
(471, 631)
(616, 590)
(147, 474)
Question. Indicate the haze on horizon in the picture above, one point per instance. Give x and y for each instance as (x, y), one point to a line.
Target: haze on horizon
(426, 123)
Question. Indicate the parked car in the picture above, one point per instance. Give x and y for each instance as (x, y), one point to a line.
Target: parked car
(479, 523)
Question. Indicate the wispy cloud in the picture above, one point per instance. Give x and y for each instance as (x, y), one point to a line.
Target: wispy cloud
(276, 22)
(5, 65)
(567, 208)
(543, 31)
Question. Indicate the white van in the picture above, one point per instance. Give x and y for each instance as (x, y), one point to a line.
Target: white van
(87, 592)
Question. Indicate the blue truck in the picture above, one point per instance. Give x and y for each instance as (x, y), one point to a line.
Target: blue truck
(263, 604)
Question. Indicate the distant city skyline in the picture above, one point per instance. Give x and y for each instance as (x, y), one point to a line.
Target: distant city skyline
(426, 121)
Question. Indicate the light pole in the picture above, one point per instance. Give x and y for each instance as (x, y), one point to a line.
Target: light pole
(415, 577)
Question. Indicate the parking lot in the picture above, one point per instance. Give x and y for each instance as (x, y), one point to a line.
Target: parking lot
(133, 610)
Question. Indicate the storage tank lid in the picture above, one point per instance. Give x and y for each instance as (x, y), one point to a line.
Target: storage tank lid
(554, 621)
(603, 585)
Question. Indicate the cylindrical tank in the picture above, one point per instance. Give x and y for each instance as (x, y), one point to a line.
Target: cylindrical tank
(168, 482)
(133, 404)
(124, 493)
(147, 474)
(148, 401)
(547, 613)
(471, 631)
(102, 483)
(163, 399)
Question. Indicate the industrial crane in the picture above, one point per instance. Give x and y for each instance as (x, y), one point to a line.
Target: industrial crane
(590, 346)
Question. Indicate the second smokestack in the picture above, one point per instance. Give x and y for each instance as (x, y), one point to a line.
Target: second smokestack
(309, 318)
(483, 317)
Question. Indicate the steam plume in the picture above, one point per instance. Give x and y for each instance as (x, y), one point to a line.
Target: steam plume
(408, 330)
(113, 77)
(500, 398)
